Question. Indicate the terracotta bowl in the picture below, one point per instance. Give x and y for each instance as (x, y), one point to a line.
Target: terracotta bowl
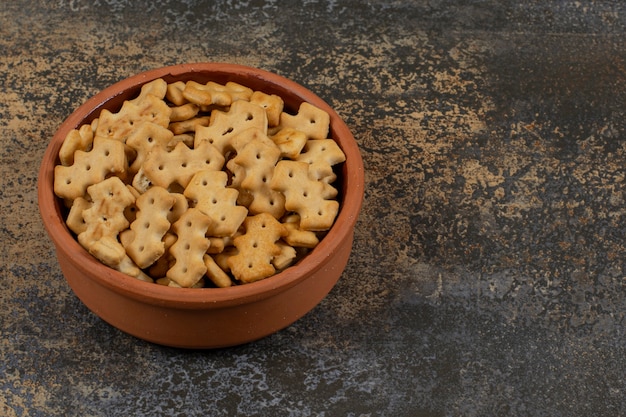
(208, 317)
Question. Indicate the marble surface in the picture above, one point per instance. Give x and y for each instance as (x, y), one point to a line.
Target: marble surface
(488, 273)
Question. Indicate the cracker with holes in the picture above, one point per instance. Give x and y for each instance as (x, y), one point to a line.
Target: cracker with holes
(105, 219)
(322, 155)
(189, 249)
(257, 248)
(107, 157)
(207, 190)
(272, 104)
(305, 195)
(164, 168)
(223, 126)
(149, 227)
(144, 139)
(311, 120)
(119, 125)
(290, 142)
(257, 160)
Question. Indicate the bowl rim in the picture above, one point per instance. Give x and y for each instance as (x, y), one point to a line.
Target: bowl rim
(342, 229)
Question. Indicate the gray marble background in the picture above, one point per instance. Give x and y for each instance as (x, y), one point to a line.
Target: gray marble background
(487, 276)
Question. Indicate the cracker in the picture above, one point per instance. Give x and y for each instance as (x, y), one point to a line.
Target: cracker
(144, 139)
(214, 93)
(290, 142)
(304, 195)
(156, 88)
(106, 158)
(189, 249)
(149, 227)
(223, 126)
(216, 274)
(285, 258)
(311, 120)
(272, 104)
(165, 168)
(296, 236)
(174, 93)
(105, 220)
(207, 189)
(80, 139)
(256, 248)
(75, 220)
(218, 244)
(184, 112)
(189, 125)
(119, 125)
(322, 155)
(257, 160)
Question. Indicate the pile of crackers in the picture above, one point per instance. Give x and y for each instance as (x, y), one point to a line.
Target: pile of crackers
(200, 184)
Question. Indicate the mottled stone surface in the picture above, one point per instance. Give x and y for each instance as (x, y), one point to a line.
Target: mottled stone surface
(488, 272)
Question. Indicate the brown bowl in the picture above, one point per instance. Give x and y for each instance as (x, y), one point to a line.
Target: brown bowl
(208, 317)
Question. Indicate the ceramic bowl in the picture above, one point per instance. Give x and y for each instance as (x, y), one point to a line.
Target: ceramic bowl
(208, 317)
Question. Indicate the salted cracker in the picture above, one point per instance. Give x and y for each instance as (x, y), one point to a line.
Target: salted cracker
(144, 139)
(224, 125)
(106, 158)
(257, 248)
(105, 220)
(322, 155)
(149, 227)
(80, 139)
(290, 142)
(209, 193)
(311, 120)
(305, 195)
(256, 161)
(164, 168)
(189, 249)
(216, 274)
(272, 104)
(215, 93)
(119, 125)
